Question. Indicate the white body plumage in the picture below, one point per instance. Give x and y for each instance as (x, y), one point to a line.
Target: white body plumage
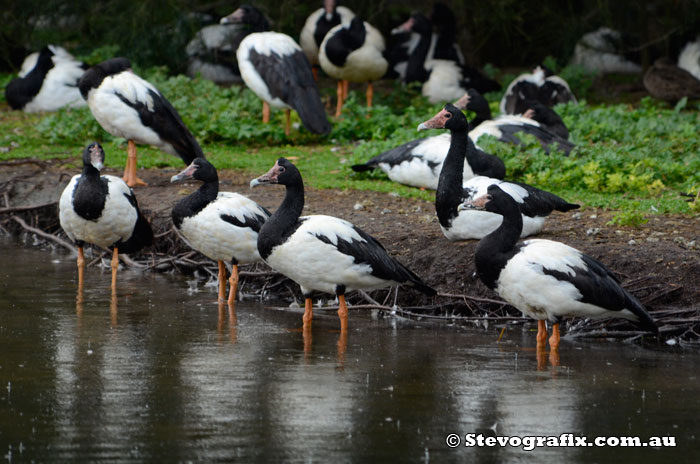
(364, 64)
(306, 38)
(59, 88)
(116, 222)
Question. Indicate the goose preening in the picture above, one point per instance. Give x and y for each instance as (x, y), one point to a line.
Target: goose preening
(223, 226)
(544, 279)
(353, 53)
(689, 58)
(535, 204)
(443, 79)
(324, 253)
(541, 85)
(102, 210)
(418, 163)
(317, 26)
(127, 106)
(47, 81)
(274, 67)
(666, 81)
(603, 51)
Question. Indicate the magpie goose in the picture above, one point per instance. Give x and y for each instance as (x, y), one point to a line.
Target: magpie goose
(452, 190)
(541, 85)
(127, 106)
(353, 53)
(544, 279)
(274, 67)
(324, 253)
(47, 81)
(317, 26)
(102, 210)
(223, 226)
(689, 58)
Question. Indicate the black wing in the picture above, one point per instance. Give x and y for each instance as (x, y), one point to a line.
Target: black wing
(254, 222)
(289, 78)
(393, 157)
(142, 235)
(542, 203)
(545, 137)
(166, 122)
(600, 287)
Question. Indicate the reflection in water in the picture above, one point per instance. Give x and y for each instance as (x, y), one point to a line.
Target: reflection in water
(170, 376)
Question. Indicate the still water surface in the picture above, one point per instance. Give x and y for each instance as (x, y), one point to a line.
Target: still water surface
(164, 374)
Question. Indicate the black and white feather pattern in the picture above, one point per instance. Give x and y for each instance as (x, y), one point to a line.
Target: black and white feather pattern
(317, 26)
(127, 106)
(102, 210)
(47, 81)
(223, 226)
(274, 67)
(546, 279)
(507, 128)
(540, 85)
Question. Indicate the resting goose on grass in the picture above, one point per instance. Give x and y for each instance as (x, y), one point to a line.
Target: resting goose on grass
(223, 226)
(47, 81)
(317, 26)
(127, 106)
(544, 279)
(324, 253)
(353, 53)
(541, 85)
(274, 67)
(689, 58)
(535, 204)
(102, 210)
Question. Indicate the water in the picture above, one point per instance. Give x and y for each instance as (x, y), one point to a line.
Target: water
(161, 374)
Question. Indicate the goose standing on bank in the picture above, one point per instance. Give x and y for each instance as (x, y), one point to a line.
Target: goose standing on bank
(353, 53)
(544, 279)
(541, 85)
(47, 81)
(535, 204)
(223, 226)
(324, 253)
(274, 67)
(102, 210)
(317, 26)
(127, 106)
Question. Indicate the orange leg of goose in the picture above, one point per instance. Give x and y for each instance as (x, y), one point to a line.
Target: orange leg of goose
(115, 267)
(308, 312)
(81, 269)
(554, 339)
(314, 71)
(233, 283)
(339, 94)
(541, 333)
(370, 94)
(287, 121)
(346, 89)
(130, 177)
(266, 112)
(222, 280)
(343, 313)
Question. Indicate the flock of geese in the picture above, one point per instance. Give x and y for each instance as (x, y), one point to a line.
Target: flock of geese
(544, 279)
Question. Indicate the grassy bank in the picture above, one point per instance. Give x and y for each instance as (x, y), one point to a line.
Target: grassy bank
(635, 159)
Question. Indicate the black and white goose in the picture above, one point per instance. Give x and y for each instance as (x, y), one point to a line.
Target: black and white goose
(418, 163)
(317, 26)
(274, 67)
(324, 253)
(223, 226)
(127, 106)
(47, 81)
(689, 58)
(541, 85)
(544, 279)
(353, 53)
(102, 210)
(443, 79)
(535, 204)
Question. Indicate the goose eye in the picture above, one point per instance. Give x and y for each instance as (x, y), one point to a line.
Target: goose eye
(448, 115)
(281, 170)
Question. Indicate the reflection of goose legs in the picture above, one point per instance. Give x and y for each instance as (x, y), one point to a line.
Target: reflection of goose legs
(342, 346)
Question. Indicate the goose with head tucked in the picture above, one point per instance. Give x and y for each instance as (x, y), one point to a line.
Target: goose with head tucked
(127, 106)
(317, 26)
(324, 253)
(47, 81)
(223, 226)
(541, 85)
(275, 68)
(544, 279)
(535, 204)
(353, 53)
(102, 210)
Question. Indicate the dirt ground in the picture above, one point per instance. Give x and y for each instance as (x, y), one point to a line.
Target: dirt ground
(659, 261)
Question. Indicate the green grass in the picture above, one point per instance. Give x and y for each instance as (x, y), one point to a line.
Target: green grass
(631, 159)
